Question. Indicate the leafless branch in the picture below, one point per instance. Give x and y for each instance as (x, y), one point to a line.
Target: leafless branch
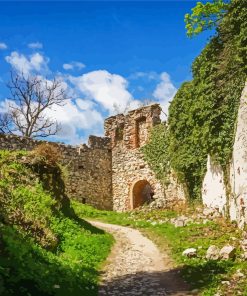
(5, 122)
(30, 98)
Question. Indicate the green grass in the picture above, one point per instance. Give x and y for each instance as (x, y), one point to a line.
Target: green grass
(204, 275)
(45, 249)
(48, 248)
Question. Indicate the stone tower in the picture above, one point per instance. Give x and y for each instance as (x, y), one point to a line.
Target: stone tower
(133, 182)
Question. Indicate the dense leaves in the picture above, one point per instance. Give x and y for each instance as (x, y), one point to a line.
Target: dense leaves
(205, 16)
(156, 151)
(202, 116)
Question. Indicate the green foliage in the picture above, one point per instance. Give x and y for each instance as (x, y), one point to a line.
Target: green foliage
(156, 152)
(45, 249)
(205, 16)
(202, 116)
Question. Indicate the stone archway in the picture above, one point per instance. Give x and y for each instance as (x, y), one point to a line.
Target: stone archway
(141, 193)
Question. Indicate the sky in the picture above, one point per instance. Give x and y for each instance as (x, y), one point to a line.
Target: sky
(110, 56)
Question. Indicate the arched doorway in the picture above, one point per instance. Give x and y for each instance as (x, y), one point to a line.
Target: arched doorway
(141, 193)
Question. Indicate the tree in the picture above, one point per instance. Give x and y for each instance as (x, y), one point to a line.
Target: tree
(31, 98)
(205, 16)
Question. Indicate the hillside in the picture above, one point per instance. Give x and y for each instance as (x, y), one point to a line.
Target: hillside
(45, 249)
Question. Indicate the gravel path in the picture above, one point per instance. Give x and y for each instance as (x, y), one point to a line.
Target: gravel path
(136, 267)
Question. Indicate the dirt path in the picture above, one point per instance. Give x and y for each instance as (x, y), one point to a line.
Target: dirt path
(136, 267)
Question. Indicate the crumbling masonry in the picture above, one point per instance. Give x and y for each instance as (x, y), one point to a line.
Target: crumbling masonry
(110, 172)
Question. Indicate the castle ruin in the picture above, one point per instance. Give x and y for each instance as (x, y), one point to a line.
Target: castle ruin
(110, 172)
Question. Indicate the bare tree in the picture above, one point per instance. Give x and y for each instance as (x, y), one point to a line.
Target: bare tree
(31, 97)
(5, 122)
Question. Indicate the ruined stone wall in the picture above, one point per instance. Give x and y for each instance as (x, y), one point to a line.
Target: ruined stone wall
(89, 167)
(128, 167)
(129, 171)
(214, 191)
(238, 172)
(110, 172)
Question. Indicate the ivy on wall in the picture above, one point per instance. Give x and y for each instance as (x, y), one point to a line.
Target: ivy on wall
(202, 116)
(156, 152)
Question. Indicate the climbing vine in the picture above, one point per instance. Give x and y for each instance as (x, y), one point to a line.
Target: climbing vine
(156, 152)
(202, 116)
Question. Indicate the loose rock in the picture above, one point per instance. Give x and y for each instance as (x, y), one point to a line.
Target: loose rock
(213, 253)
(243, 245)
(227, 252)
(191, 252)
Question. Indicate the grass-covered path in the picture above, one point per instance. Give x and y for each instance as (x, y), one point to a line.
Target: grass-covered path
(137, 267)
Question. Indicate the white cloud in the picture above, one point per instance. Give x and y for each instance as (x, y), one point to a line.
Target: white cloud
(4, 106)
(73, 119)
(92, 94)
(21, 63)
(164, 92)
(67, 67)
(84, 104)
(109, 90)
(3, 45)
(152, 75)
(35, 45)
(74, 65)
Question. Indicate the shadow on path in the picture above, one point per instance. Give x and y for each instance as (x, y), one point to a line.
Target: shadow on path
(146, 284)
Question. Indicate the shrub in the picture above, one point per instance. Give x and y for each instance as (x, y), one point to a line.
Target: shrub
(48, 153)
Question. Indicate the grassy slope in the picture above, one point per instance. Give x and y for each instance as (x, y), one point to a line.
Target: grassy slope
(207, 276)
(45, 249)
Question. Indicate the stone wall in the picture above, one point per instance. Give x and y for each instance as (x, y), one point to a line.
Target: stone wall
(238, 173)
(130, 173)
(214, 192)
(110, 172)
(89, 167)
(128, 167)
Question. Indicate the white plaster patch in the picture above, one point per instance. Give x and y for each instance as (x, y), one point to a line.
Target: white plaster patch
(213, 188)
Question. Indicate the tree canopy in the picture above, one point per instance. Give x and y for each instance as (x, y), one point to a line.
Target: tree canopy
(205, 16)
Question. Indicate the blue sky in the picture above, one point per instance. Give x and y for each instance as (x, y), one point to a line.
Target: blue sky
(109, 55)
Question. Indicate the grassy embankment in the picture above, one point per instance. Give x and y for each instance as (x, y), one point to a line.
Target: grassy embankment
(48, 249)
(45, 249)
(207, 276)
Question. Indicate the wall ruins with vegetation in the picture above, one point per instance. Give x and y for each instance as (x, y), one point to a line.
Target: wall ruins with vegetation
(203, 118)
(88, 168)
(111, 173)
(133, 180)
